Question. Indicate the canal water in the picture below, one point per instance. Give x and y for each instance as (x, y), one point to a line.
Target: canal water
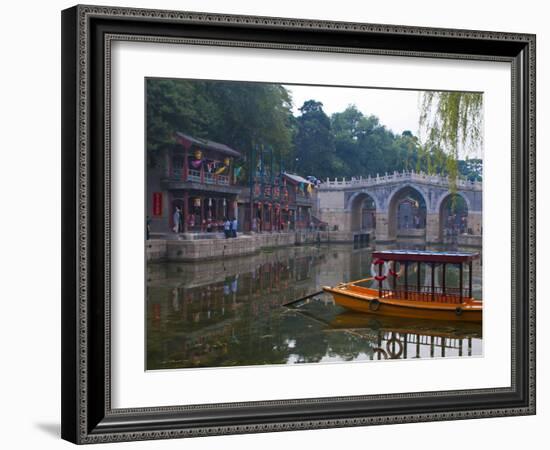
(230, 313)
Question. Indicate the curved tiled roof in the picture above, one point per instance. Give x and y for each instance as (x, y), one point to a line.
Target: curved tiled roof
(187, 141)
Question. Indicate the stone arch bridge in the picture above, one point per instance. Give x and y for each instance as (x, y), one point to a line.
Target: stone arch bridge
(344, 203)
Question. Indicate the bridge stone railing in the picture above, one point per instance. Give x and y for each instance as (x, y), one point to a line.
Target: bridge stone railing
(395, 177)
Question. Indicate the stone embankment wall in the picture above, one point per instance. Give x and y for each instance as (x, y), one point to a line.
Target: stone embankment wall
(469, 240)
(246, 244)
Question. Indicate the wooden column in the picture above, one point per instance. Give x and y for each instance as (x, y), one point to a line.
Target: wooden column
(185, 165)
(470, 266)
(185, 210)
(201, 226)
(229, 208)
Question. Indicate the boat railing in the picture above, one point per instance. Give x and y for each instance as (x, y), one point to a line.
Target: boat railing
(426, 294)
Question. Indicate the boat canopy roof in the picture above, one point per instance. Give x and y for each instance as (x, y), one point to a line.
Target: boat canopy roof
(425, 256)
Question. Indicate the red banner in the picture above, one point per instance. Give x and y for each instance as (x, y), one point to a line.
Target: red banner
(157, 203)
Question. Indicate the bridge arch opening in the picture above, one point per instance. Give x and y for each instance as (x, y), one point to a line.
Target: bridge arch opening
(363, 213)
(407, 213)
(453, 217)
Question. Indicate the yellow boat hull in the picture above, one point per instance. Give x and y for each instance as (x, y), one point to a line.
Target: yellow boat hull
(366, 300)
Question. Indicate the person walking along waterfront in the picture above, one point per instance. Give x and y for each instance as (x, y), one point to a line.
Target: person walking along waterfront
(177, 220)
(234, 225)
(227, 227)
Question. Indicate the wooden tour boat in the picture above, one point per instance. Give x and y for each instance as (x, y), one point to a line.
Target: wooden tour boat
(401, 299)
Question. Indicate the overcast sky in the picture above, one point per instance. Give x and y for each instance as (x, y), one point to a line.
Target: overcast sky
(396, 109)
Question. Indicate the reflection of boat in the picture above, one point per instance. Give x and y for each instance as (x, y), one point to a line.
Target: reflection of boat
(403, 338)
(413, 300)
(405, 325)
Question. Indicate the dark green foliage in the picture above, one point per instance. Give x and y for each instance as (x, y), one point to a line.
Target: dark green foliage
(366, 147)
(471, 169)
(256, 120)
(240, 115)
(314, 142)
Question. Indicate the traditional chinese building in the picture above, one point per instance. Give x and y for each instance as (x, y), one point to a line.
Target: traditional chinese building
(192, 188)
(279, 203)
(301, 196)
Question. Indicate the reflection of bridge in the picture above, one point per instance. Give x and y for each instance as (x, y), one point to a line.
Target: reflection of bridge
(398, 345)
(345, 203)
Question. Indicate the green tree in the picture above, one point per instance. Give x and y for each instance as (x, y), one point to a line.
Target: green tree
(239, 114)
(254, 116)
(471, 169)
(176, 105)
(452, 121)
(314, 142)
(366, 147)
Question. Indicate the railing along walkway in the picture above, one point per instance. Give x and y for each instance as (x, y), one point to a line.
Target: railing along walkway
(397, 177)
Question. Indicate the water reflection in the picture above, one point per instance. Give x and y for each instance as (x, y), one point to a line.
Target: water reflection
(230, 313)
(405, 338)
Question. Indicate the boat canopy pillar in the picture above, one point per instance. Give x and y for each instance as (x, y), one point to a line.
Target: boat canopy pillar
(433, 280)
(418, 276)
(444, 278)
(406, 279)
(460, 278)
(380, 279)
(470, 266)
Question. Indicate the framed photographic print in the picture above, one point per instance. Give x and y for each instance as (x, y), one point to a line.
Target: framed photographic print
(281, 224)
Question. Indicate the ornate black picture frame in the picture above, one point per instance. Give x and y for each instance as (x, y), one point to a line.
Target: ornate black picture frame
(87, 415)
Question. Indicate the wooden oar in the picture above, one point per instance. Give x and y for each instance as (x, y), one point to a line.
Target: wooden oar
(340, 285)
(303, 298)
